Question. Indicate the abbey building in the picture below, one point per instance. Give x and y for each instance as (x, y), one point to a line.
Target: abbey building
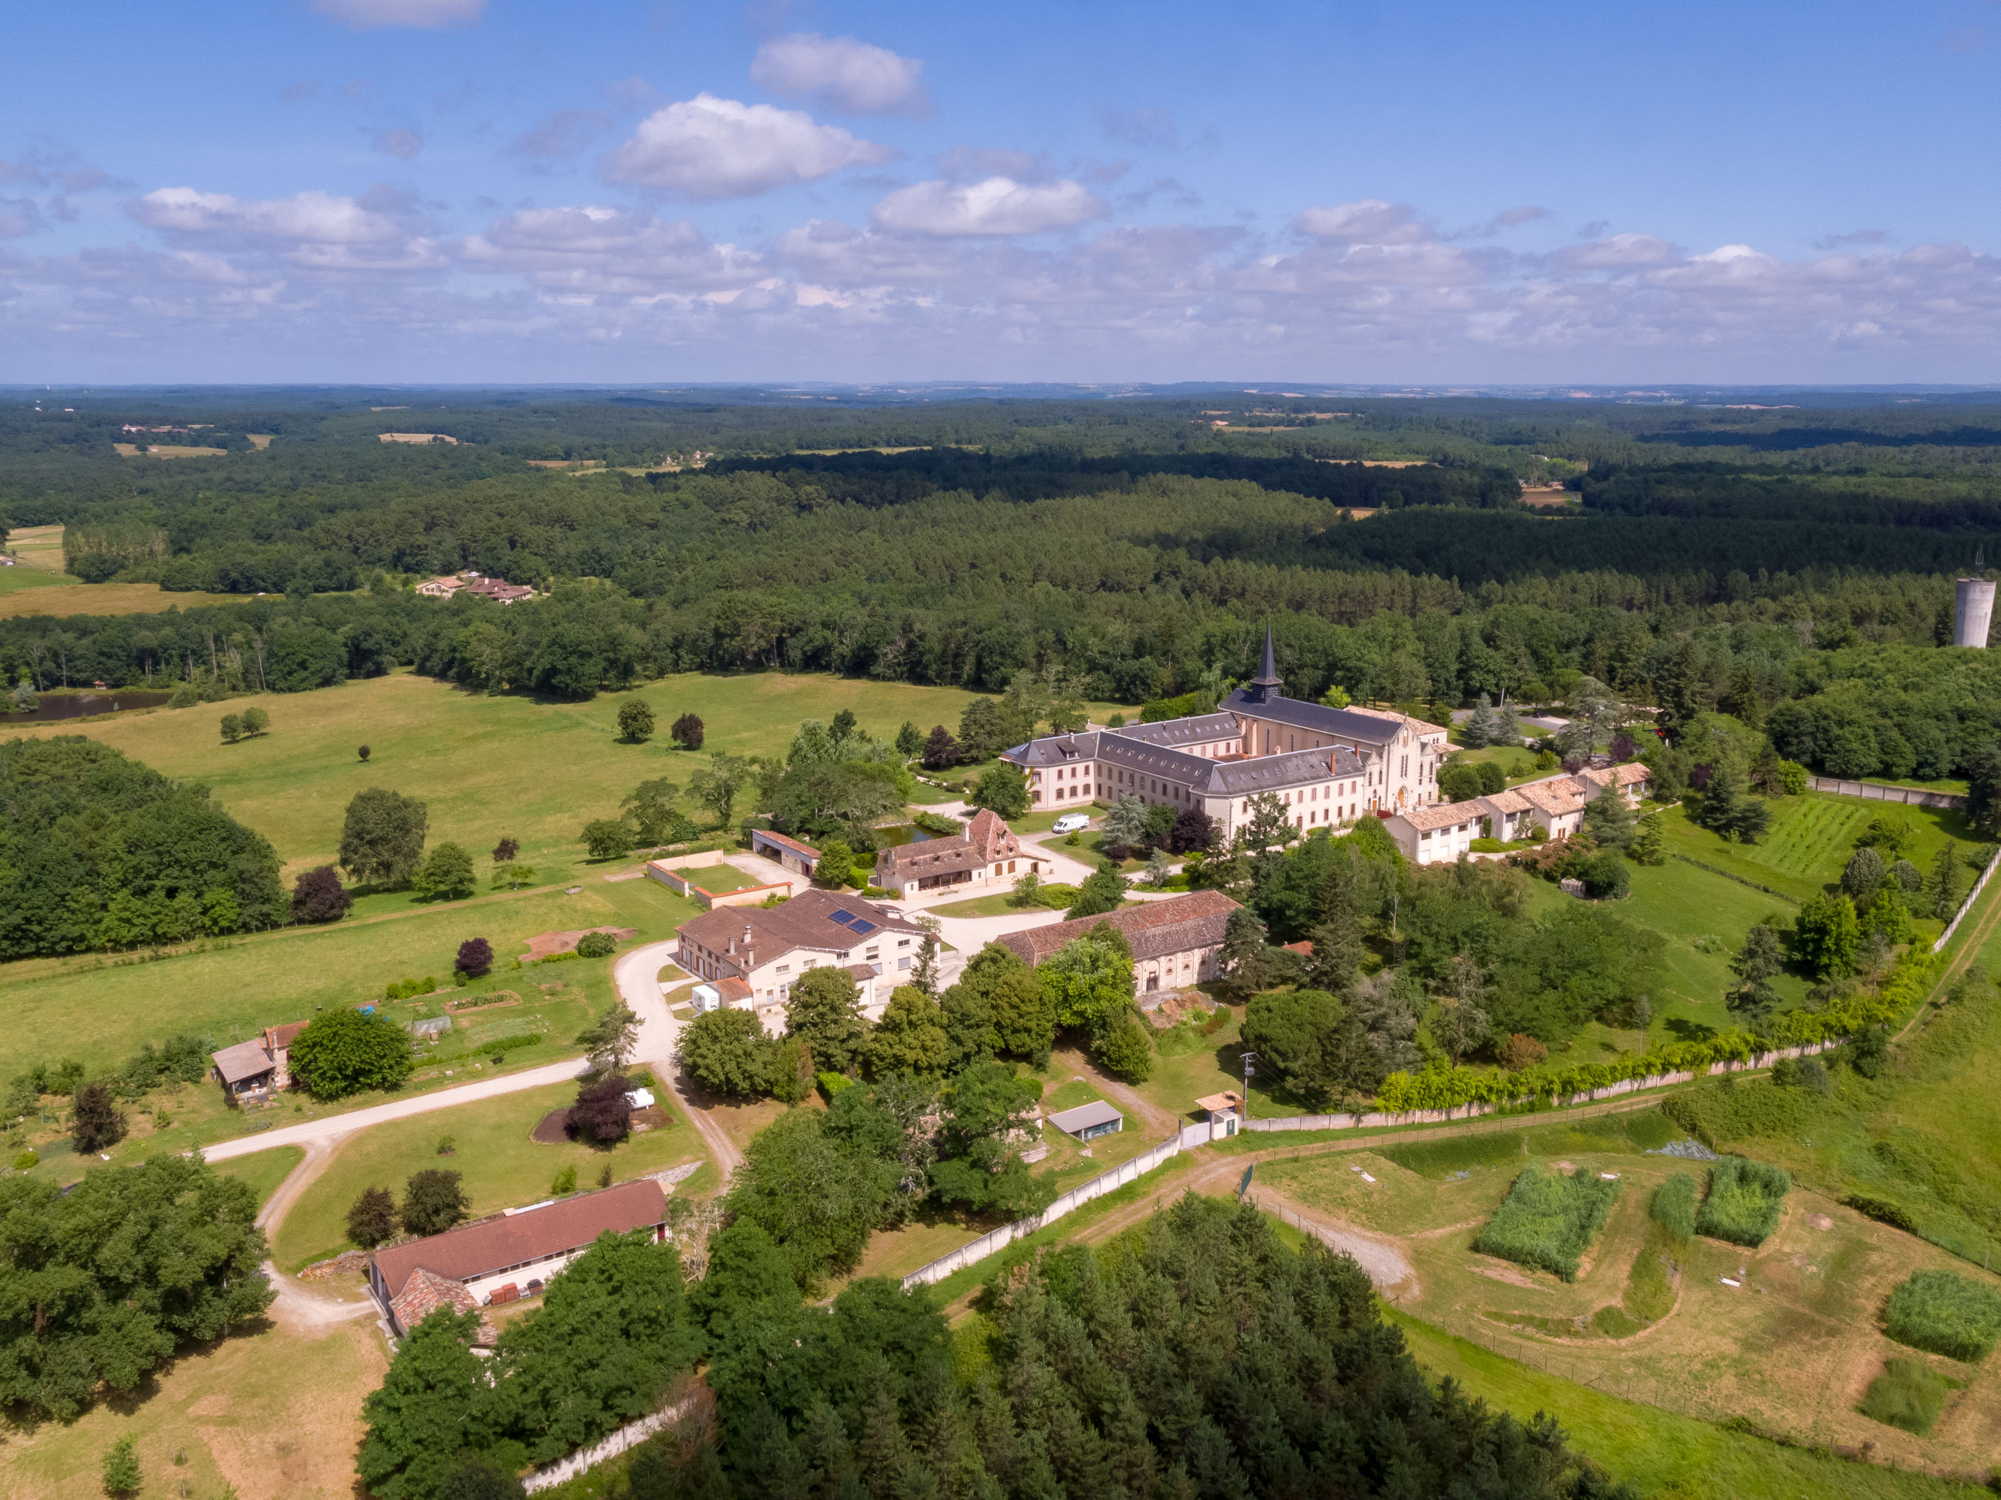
(1329, 766)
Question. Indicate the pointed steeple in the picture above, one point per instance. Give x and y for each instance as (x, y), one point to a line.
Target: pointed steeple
(1267, 683)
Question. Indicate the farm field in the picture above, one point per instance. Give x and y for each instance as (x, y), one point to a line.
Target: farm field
(100, 1011)
(273, 1415)
(263, 1170)
(501, 1165)
(33, 589)
(485, 766)
(1793, 1347)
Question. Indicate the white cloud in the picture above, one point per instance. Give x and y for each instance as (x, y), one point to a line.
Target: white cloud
(1366, 221)
(308, 217)
(1620, 252)
(421, 14)
(593, 247)
(839, 73)
(721, 148)
(995, 205)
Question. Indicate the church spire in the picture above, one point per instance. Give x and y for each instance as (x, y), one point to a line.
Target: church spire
(1267, 682)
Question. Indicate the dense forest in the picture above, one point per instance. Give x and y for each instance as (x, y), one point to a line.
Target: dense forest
(1198, 1357)
(1804, 586)
(97, 851)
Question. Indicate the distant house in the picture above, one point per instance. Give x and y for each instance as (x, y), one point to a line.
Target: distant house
(509, 1256)
(765, 948)
(1555, 804)
(986, 854)
(441, 588)
(475, 586)
(1174, 942)
(1089, 1121)
(251, 1072)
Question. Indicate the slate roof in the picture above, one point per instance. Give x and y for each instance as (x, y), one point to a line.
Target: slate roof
(1152, 930)
(1343, 723)
(1215, 778)
(1056, 749)
(1199, 729)
(1084, 1116)
(475, 1250)
(806, 921)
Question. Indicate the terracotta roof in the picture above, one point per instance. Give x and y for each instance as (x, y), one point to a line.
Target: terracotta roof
(475, 1250)
(1507, 801)
(773, 836)
(1557, 794)
(1441, 814)
(1421, 726)
(986, 839)
(806, 921)
(1151, 930)
(425, 1292)
(1219, 1101)
(276, 1037)
(244, 1060)
(732, 989)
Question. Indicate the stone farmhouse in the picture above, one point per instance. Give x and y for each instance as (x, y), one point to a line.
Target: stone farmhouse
(1440, 833)
(1174, 943)
(512, 1255)
(986, 854)
(475, 586)
(251, 1072)
(763, 949)
(1329, 766)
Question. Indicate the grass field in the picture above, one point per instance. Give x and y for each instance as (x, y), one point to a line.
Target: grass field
(717, 879)
(501, 1166)
(485, 766)
(1811, 837)
(41, 587)
(261, 1416)
(263, 1170)
(100, 1010)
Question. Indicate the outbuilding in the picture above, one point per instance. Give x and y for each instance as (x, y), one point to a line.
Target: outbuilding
(1089, 1121)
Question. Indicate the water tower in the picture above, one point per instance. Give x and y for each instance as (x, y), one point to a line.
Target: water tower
(1972, 611)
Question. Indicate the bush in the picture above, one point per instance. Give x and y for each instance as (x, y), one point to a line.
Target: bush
(938, 824)
(1673, 1205)
(1945, 1313)
(500, 1046)
(596, 945)
(1548, 1219)
(1882, 1211)
(25, 1160)
(1909, 1394)
(433, 1201)
(1744, 1201)
(475, 958)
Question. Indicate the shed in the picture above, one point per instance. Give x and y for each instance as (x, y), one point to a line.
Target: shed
(1089, 1121)
(1224, 1113)
(430, 1028)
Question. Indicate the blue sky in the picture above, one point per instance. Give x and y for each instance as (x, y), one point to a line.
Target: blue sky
(522, 190)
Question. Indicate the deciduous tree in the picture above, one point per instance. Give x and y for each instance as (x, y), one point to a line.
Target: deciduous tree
(96, 1121)
(602, 1115)
(371, 1220)
(382, 839)
(1103, 890)
(445, 875)
(688, 732)
(320, 897)
(343, 1051)
(475, 958)
(606, 838)
(728, 1053)
(435, 1404)
(717, 785)
(433, 1201)
(635, 721)
(941, 750)
(824, 1011)
(910, 1038)
(1001, 789)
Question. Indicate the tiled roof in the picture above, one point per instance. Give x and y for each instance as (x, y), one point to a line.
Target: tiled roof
(244, 1060)
(277, 1038)
(1556, 795)
(773, 836)
(475, 1250)
(1420, 726)
(1055, 750)
(1152, 930)
(1441, 815)
(1264, 773)
(425, 1292)
(806, 921)
(986, 839)
(1507, 801)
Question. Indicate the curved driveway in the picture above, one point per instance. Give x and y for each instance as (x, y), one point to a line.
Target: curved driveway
(637, 976)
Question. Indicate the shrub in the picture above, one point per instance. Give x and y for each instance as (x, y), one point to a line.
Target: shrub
(1519, 1052)
(25, 1160)
(1744, 1201)
(1944, 1313)
(1909, 1394)
(1548, 1219)
(1673, 1205)
(500, 1046)
(596, 945)
(475, 958)
(564, 1182)
(372, 1218)
(433, 1201)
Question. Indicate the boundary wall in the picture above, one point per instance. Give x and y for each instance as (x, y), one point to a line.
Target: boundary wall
(1877, 791)
(1967, 905)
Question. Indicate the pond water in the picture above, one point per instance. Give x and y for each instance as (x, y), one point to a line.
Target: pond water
(900, 833)
(78, 705)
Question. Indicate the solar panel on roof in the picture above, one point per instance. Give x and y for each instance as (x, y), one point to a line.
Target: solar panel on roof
(862, 926)
(842, 915)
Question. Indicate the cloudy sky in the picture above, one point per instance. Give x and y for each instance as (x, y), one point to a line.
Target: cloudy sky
(625, 190)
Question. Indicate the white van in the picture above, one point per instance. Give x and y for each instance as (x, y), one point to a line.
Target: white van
(1070, 823)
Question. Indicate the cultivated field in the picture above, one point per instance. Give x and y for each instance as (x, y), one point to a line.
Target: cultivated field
(40, 587)
(168, 450)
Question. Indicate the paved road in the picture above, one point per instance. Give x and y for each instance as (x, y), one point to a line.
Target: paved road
(637, 975)
(334, 1127)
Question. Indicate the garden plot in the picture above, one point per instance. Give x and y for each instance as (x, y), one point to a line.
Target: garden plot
(1549, 1218)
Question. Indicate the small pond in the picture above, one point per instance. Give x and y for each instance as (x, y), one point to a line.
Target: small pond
(899, 833)
(80, 705)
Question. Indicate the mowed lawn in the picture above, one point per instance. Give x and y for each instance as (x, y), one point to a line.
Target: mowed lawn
(100, 1010)
(501, 1166)
(484, 766)
(1812, 836)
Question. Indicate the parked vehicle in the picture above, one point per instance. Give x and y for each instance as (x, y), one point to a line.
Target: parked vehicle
(1071, 822)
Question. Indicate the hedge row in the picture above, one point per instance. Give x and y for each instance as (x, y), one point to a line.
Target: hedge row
(1454, 1087)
